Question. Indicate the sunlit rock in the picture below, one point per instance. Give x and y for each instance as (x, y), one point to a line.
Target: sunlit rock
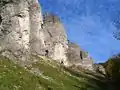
(56, 39)
(78, 57)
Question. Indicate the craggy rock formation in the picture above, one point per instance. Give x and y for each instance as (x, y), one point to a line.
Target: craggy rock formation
(59, 48)
(99, 68)
(24, 32)
(74, 54)
(55, 38)
(20, 29)
(78, 57)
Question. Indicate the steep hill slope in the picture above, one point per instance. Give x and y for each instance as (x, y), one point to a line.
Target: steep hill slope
(51, 76)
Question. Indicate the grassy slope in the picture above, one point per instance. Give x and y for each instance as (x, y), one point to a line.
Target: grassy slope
(13, 77)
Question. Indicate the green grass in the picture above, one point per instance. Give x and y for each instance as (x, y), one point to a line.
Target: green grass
(13, 77)
(53, 77)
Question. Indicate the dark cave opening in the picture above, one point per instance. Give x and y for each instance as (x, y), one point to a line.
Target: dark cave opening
(81, 55)
(0, 19)
(46, 52)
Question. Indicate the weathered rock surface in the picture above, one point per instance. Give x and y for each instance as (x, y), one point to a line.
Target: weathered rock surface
(24, 32)
(20, 27)
(56, 38)
(78, 57)
(74, 55)
(99, 68)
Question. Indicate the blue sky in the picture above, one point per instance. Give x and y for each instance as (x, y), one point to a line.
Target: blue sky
(89, 23)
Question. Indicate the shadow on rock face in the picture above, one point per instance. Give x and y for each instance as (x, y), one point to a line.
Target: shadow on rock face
(0, 19)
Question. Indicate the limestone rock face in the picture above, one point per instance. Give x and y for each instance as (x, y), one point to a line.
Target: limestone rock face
(78, 57)
(24, 32)
(36, 32)
(56, 39)
(100, 69)
(20, 26)
(87, 63)
(74, 54)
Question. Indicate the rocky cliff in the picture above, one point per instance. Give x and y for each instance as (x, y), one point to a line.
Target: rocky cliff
(55, 38)
(25, 32)
(20, 29)
(78, 57)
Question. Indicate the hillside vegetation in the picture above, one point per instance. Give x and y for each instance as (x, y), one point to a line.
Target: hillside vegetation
(52, 77)
(112, 67)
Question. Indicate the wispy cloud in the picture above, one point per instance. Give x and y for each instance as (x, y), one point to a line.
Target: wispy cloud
(88, 23)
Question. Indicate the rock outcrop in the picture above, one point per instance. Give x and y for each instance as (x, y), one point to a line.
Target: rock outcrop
(20, 28)
(78, 57)
(99, 69)
(24, 32)
(55, 38)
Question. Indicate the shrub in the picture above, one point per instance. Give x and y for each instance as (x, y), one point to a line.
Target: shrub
(112, 67)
